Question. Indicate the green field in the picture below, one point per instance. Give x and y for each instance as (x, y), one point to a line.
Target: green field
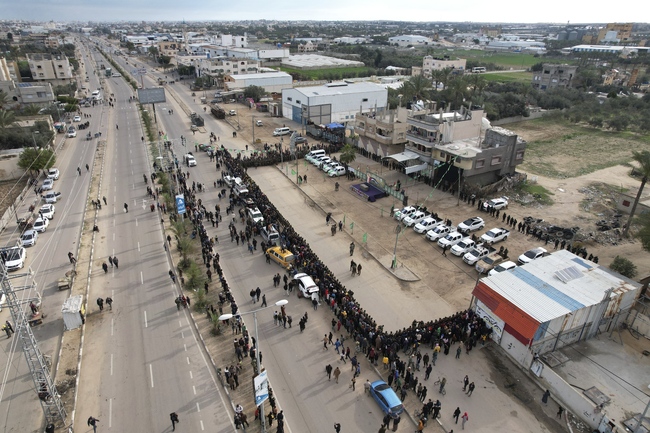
(505, 60)
(329, 74)
(505, 77)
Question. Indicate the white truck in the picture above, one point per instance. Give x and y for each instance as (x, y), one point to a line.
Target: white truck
(495, 235)
(476, 254)
(450, 240)
(462, 247)
(439, 232)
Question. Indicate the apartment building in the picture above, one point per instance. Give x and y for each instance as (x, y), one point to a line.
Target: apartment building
(382, 133)
(51, 67)
(553, 76)
(430, 64)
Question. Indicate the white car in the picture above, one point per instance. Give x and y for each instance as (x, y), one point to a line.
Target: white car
(190, 161)
(401, 214)
(429, 223)
(463, 247)
(505, 266)
(29, 238)
(51, 197)
(256, 215)
(306, 285)
(53, 173)
(72, 133)
(471, 224)
(496, 203)
(116, 75)
(414, 218)
(47, 211)
(321, 162)
(14, 257)
(76, 119)
(450, 240)
(439, 232)
(48, 184)
(330, 166)
(40, 225)
(259, 123)
(335, 172)
(232, 112)
(531, 255)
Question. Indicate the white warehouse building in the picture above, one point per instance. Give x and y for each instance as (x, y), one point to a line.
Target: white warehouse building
(332, 102)
(272, 82)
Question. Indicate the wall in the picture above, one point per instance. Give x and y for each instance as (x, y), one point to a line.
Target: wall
(9, 169)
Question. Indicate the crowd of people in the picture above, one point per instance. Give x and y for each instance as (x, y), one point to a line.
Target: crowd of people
(400, 351)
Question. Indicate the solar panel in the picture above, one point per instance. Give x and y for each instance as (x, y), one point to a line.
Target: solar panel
(568, 274)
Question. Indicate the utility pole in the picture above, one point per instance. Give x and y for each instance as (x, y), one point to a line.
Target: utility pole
(48, 396)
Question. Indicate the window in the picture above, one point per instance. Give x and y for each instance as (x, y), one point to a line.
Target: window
(297, 101)
(289, 99)
(519, 155)
(626, 203)
(480, 163)
(365, 99)
(496, 160)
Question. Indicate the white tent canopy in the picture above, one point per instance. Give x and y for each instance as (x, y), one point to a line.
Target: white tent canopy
(404, 156)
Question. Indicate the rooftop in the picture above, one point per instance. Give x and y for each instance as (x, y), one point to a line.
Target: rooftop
(316, 60)
(339, 88)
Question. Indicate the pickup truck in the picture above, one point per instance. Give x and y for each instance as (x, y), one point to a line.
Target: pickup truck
(414, 218)
(439, 232)
(462, 247)
(489, 262)
(495, 235)
(476, 254)
(403, 213)
(427, 224)
(450, 240)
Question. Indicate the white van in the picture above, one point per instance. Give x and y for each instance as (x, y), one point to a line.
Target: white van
(281, 131)
(315, 154)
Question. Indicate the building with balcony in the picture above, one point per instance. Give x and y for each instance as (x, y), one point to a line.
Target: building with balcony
(168, 48)
(430, 64)
(553, 76)
(382, 133)
(225, 66)
(51, 67)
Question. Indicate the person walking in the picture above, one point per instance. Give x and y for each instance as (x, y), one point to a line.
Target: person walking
(100, 304)
(382, 429)
(104, 198)
(337, 428)
(359, 269)
(458, 351)
(396, 421)
(328, 371)
(470, 389)
(353, 382)
(264, 300)
(325, 342)
(444, 251)
(92, 421)
(174, 418)
(72, 259)
(351, 248)
(465, 383)
(464, 419)
(560, 410)
(87, 167)
(105, 267)
(545, 397)
(443, 382)
(337, 373)
(126, 208)
(110, 261)
(109, 301)
(457, 414)
(9, 327)
(386, 420)
(115, 262)
(79, 171)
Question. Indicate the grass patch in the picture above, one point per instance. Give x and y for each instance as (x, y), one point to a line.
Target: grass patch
(505, 77)
(330, 73)
(559, 149)
(541, 194)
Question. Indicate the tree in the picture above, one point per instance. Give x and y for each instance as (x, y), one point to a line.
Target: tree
(416, 87)
(643, 158)
(624, 267)
(7, 118)
(35, 160)
(378, 57)
(4, 98)
(348, 154)
(255, 92)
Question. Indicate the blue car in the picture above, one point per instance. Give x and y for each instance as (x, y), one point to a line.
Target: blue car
(386, 397)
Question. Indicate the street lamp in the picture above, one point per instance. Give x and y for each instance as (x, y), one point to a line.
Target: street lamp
(280, 303)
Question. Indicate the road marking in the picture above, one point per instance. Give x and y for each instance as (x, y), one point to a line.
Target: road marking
(113, 232)
(183, 336)
(187, 358)
(198, 408)
(191, 375)
(136, 222)
(110, 412)
(112, 325)
(201, 421)
(111, 364)
(141, 278)
(180, 325)
(138, 246)
(151, 374)
(145, 319)
(194, 390)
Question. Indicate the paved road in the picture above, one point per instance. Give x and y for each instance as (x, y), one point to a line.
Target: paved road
(20, 410)
(143, 356)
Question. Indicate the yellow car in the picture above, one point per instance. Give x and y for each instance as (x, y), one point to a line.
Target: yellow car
(281, 256)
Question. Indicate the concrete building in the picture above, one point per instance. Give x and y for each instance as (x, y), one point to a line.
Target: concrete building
(306, 47)
(52, 67)
(552, 302)
(460, 146)
(8, 70)
(553, 76)
(332, 102)
(382, 133)
(613, 49)
(27, 93)
(406, 40)
(52, 42)
(316, 61)
(430, 64)
(168, 48)
(350, 40)
(272, 82)
(615, 33)
(225, 66)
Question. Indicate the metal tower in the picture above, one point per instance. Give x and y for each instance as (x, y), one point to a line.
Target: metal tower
(44, 385)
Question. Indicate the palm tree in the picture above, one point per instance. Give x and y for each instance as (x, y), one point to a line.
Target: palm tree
(643, 158)
(416, 87)
(348, 154)
(7, 118)
(437, 76)
(3, 98)
(458, 90)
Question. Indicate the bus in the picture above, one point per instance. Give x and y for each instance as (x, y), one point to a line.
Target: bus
(478, 70)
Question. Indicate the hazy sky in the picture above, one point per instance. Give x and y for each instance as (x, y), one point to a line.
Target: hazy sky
(556, 11)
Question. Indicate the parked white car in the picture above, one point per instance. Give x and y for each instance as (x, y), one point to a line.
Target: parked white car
(47, 211)
(48, 184)
(335, 172)
(505, 266)
(531, 255)
(53, 173)
(450, 240)
(29, 238)
(496, 203)
(40, 225)
(14, 257)
(439, 232)
(462, 247)
(401, 214)
(471, 224)
(51, 197)
(429, 223)
(414, 218)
